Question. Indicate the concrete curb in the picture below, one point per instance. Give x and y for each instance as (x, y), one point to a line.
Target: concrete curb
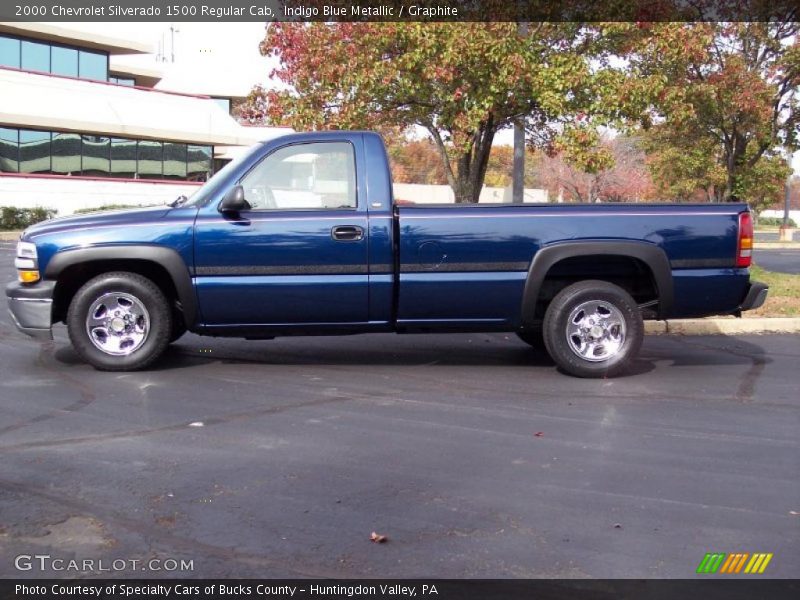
(724, 326)
(9, 236)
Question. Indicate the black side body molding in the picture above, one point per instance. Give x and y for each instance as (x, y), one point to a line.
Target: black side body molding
(653, 256)
(164, 257)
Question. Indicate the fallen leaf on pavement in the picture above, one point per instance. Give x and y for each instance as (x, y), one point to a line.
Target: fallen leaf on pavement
(378, 538)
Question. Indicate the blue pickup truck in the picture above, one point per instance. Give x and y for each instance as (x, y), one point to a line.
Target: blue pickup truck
(301, 236)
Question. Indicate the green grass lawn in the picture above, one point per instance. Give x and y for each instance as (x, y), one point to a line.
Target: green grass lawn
(784, 294)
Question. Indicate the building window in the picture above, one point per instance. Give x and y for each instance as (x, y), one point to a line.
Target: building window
(9, 52)
(96, 156)
(9, 150)
(199, 163)
(35, 56)
(66, 150)
(174, 161)
(33, 151)
(64, 61)
(121, 80)
(123, 158)
(32, 55)
(92, 65)
(151, 160)
(224, 103)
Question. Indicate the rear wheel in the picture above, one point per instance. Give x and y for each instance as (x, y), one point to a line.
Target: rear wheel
(119, 322)
(593, 329)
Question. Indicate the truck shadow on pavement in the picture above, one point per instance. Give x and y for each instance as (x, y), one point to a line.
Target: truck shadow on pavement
(183, 357)
(723, 350)
(678, 351)
(190, 354)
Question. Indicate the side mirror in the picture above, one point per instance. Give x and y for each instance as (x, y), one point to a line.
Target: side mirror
(234, 201)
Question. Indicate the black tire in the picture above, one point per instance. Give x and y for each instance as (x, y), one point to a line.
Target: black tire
(606, 355)
(153, 336)
(534, 337)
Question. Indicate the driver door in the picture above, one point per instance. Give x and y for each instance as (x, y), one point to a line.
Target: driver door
(298, 255)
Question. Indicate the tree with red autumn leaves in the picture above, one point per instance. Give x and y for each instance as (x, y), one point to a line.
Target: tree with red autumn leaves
(713, 103)
(414, 161)
(624, 176)
(719, 104)
(462, 82)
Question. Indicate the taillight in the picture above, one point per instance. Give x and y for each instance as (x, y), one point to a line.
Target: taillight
(744, 252)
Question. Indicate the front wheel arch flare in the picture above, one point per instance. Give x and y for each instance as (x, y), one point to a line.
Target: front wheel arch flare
(167, 258)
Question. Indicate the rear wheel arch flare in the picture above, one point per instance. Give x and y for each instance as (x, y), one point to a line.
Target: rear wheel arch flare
(549, 256)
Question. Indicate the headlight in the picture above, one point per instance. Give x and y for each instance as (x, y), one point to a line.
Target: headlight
(27, 262)
(26, 250)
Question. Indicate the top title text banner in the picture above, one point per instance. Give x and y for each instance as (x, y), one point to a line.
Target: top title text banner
(397, 10)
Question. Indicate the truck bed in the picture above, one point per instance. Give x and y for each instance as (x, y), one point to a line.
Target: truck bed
(470, 263)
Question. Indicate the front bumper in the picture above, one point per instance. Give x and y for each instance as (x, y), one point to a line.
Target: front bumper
(755, 297)
(31, 307)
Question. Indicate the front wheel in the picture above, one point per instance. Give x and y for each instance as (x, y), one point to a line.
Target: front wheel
(593, 329)
(119, 322)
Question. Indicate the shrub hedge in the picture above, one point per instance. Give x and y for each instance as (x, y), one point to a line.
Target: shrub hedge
(773, 222)
(13, 218)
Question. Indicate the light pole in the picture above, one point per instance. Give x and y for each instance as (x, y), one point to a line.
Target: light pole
(786, 199)
(786, 232)
(518, 174)
(172, 31)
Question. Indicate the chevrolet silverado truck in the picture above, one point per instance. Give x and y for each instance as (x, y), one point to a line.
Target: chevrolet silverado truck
(301, 236)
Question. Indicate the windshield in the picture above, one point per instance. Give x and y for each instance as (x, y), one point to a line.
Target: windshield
(220, 179)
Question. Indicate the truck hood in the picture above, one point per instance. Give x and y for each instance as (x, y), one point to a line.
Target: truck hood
(94, 219)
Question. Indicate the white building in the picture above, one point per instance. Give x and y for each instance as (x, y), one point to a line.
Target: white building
(79, 129)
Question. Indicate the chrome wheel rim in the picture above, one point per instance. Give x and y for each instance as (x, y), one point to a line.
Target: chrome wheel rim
(595, 330)
(117, 323)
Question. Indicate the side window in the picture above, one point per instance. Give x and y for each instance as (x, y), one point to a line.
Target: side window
(320, 175)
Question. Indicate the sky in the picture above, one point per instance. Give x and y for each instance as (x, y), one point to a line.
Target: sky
(223, 54)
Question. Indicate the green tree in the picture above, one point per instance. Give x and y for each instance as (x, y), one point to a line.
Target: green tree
(462, 82)
(720, 100)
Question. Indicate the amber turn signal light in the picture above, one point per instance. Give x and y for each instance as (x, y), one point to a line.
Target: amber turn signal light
(28, 276)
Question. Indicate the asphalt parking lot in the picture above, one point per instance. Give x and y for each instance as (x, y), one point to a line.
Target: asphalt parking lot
(781, 261)
(470, 452)
(767, 236)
